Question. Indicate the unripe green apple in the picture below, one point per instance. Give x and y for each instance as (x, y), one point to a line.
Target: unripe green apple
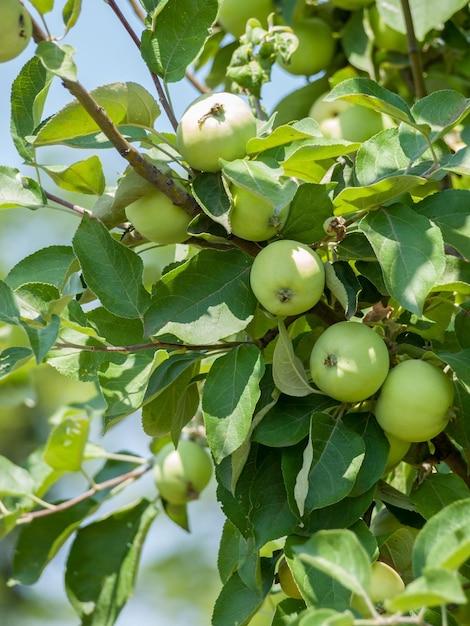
(215, 126)
(316, 48)
(384, 36)
(287, 277)
(156, 217)
(385, 584)
(15, 29)
(414, 401)
(180, 475)
(253, 218)
(349, 361)
(287, 582)
(344, 120)
(398, 449)
(234, 14)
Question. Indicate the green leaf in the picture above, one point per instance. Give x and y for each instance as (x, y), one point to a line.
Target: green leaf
(410, 252)
(437, 491)
(210, 193)
(115, 274)
(179, 33)
(436, 586)
(331, 462)
(460, 364)
(444, 541)
(370, 197)
(14, 480)
(344, 286)
(58, 59)
(18, 191)
(262, 178)
(439, 112)
(370, 94)
(66, 443)
(288, 421)
(339, 554)
(82, 177)
(127, 104)
(99, 588)
(309, 159)
(448, 209)
(288, 371)
(231, 392)
(123, 384)
(203, 300)
(28, 93)
(9, 309)
(236, 603)
(172, 407)
(49, 265)
(426, 14)
(13, 358)
(42, 338)
(309, 209)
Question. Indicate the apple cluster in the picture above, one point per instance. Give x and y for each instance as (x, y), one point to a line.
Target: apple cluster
(15, 29)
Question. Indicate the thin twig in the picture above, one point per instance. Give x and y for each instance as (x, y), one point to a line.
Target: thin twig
(151, 346)
(112, 482)
(73, 207)
(413, 51)
(161, 93)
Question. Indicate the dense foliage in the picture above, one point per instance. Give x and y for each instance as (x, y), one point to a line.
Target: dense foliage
(363, 174)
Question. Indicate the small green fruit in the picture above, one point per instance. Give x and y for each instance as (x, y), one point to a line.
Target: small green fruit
(287, 582)
(385, 584)
(156, 217)
(253, 218)
(15, 29)
(180, 475)
(414, 401)
(234, 14)
(316, 48)
(287, 277)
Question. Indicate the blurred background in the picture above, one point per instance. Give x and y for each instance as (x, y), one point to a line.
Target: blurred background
(178, 580)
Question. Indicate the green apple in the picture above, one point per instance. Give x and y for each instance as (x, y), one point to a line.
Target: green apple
(234, 14)
(349, 361)
(253, 217)
(180, 475)
(215, 126)
(157, 219)
(414, 401)
(384, 36)
(344, 120)
(398, 449)
(16, 29)
(385, 584)
(316, 48)
(286, 580)
(287, 277)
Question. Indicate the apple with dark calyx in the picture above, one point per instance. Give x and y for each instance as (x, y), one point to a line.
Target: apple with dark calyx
(414, 402)
(287, 277)
(234, 14)
(16, 28)
(181, 474)
(253, 218)
(349, 361)
(316, 48)
(157, 219)
(215, 126)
